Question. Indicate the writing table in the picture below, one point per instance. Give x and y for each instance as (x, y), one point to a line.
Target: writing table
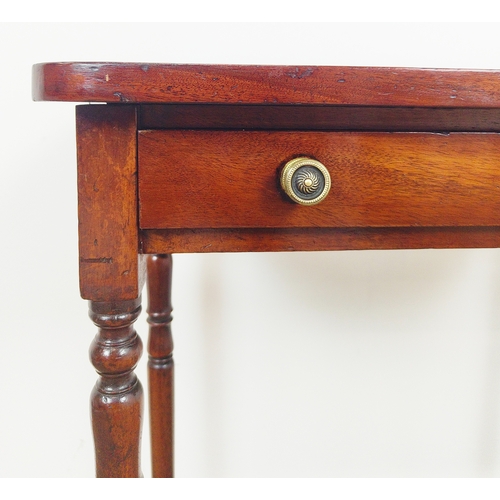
(194, 158)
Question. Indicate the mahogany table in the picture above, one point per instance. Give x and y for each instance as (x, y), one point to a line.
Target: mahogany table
(190, 158)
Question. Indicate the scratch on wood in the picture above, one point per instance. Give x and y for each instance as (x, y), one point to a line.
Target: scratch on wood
(121, 97)
(296, 73)
(100, 260)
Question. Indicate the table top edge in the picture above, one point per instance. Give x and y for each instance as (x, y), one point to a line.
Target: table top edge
(114, 82)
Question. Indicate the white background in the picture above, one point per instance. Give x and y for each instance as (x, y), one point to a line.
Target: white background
(346, 364)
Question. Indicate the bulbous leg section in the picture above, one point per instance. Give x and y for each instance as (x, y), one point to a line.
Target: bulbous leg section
(117, 398)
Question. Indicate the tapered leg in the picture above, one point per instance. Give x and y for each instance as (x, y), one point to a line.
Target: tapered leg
(117, 398)
(161, 364)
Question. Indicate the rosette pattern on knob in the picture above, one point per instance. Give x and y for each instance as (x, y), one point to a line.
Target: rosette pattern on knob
(305, 181)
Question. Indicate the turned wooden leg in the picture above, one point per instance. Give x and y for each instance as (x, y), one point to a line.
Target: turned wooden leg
(161, 364)
(117, 398)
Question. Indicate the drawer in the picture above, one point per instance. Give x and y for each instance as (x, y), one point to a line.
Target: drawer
(230, 179)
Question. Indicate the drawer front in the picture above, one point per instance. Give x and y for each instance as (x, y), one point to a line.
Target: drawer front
(230, 179)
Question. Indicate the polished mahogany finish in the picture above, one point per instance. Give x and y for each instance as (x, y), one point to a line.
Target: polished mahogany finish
(316, 117)
(187, 158)
(161, 364)
(316, 239)
(107, 203)
(117, 398)
(204, 179)
(234, 84)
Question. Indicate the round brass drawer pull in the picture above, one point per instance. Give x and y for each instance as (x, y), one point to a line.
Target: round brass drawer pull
(305, 181)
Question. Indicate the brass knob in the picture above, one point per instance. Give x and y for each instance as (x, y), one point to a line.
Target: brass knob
(305, 181)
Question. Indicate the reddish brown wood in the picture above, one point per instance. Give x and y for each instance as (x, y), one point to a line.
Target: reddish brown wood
(204, 179)
(218, 191)
(310, 239)
(117, 398)
(305, 117)
(107, 203)
(161, 364)
(136, 82)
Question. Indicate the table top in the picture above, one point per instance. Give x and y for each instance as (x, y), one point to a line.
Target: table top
(237, 84)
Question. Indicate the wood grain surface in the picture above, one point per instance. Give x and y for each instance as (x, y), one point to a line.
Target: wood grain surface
(236, 84)
(204, 179)
(107, 203)
(161, 364)
(314, 239)
(314, 117)
(117, 398)
(187, 158)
